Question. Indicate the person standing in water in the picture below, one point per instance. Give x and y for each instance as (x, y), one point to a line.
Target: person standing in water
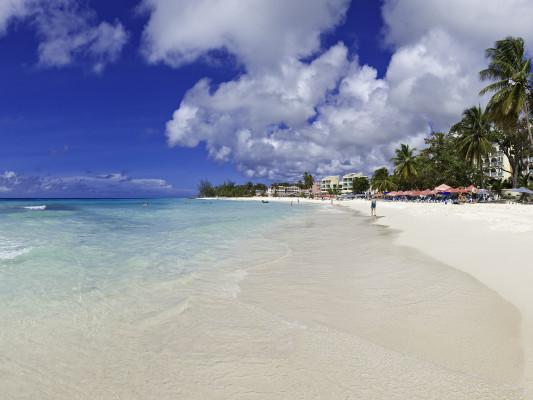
(373, 207)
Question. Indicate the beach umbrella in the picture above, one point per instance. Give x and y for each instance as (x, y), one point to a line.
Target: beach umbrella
(522, 190)
(471, 189)
(443, 188)
(458, 190)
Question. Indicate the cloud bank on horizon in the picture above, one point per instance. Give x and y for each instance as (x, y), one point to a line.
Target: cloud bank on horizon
(68, 32)
(330, 114)
(88, 185)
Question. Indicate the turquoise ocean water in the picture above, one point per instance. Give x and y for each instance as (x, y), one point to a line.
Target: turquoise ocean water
(55, 252)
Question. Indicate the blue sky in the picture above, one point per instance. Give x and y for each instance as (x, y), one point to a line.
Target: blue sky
(84, 110)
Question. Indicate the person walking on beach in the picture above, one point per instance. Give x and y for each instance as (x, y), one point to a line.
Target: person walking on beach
(373, 207)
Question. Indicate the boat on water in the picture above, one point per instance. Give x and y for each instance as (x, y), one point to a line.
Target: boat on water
(264, 201)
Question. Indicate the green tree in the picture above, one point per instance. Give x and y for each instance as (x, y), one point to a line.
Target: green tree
(307, 180)
(510, 71)
(382, 181)
(439, 162)
(360, 184)
(405, 163)
(474, 133)
(514, 144)
(206, 189)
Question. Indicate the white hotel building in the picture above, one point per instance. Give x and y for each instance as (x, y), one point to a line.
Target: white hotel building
(347, 181)
(343, 185)
(496, 165)
(329, 183)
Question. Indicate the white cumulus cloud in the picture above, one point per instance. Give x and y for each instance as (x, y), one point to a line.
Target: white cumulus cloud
(67, 31)
(10, 9)
(258, 32)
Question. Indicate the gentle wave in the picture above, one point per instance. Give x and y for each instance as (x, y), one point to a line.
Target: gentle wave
(11, 254)
(10, 250)
(36, 208)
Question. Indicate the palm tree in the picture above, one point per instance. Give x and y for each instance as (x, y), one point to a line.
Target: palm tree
(473, 142)
(405, 163)
(510, 71)
(382, 181)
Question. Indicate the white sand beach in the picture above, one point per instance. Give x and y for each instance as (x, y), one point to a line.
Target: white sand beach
(324, 303)
(489, 242)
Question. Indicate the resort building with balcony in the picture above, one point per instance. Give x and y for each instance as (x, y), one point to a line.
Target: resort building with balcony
(330, 183)
(284, 191)
(347, 181)
(496, 165)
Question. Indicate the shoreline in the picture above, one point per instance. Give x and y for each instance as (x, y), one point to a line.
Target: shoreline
(490, 242)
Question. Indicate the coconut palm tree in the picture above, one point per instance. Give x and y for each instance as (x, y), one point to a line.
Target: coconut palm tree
(405, 163)
(510, 71)
(473, 141)
(382, 181)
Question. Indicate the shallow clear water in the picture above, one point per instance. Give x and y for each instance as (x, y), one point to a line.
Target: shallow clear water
(59, 250)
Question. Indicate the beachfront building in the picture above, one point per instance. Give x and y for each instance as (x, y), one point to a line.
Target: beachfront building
(315, 189)
(330, 183)
(347, 181)
(496, 165)
(284, 191)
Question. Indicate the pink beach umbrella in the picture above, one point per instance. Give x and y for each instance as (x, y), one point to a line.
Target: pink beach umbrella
(471, 189)
(443, 188)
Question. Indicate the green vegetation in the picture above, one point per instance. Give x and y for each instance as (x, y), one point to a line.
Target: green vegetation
(307, 181)
(360, 185)
(229, 189)
(440, 162)
(510, 71)
(405, 163)
(382, 181)
(474, 143)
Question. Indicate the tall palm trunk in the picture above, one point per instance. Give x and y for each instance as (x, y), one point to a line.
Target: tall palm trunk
(515, 177)
(528, 124)
(480, 166)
